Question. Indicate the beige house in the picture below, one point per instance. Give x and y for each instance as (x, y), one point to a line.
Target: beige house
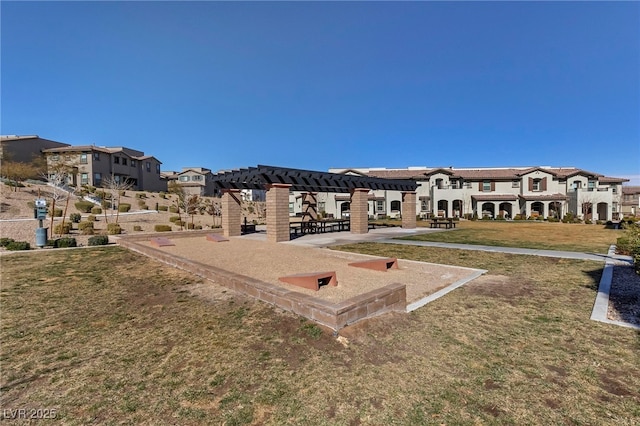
(631, 200)
(492, 192)
(91, 165)
(25, 149)
(194, 180)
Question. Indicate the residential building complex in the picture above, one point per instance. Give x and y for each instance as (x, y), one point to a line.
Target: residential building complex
(91, 165)
(631, 200)
(485, 192)
(194, 180)
(25, 149)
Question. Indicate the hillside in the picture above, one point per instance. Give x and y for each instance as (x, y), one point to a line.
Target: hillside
(16, 213)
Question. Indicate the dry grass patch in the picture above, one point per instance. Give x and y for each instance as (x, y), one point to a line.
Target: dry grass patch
(107, 336)
(528, 234)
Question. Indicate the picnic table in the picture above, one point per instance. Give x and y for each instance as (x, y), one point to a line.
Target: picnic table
(446, 222)
(319, 226)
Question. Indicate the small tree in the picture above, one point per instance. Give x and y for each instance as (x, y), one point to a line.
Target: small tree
(176, 189)
(17, 172)
(115, 187)
(58, 178)
(193, 206)
(213, 209)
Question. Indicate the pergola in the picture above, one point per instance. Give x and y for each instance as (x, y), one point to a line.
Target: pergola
(278, 181)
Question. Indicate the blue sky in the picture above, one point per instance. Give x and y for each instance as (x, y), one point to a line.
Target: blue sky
(331, 84)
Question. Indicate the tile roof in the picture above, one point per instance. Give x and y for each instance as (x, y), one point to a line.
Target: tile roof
(495, 197)
(549, 197)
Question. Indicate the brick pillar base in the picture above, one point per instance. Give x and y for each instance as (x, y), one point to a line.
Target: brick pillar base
(278, 213)
(231, 213)
(409, 210)
(359, 211)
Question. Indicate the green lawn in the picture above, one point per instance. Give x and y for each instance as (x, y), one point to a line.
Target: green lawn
(106, 336)
(527, 234)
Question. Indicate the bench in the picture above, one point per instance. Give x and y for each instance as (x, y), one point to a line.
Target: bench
(161, 242)
(438, 223)
(216, 238)
(377, 264)
(312, 280)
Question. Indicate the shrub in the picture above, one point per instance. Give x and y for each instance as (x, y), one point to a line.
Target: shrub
(84, 206)
(91, 218)
(141, 195)
(86, 228)
(65, 242)
(124, 207)
(163, 208)
(629, 244)
(62, 229)
(137, 228)
(31, 204)
(113, 229)
(18, 245)
(99, 240)
(191, 225)
(4, 241)
(179, 223)
(56, 213)
(162, 228)
(103, 195)
(96, 210)
(163, 195)
(122, 193)
(173, 209)
(174, 219)
(105, 204)
(75, 217)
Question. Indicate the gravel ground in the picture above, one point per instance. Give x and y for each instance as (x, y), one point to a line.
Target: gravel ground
(624, 301)
(267, 262)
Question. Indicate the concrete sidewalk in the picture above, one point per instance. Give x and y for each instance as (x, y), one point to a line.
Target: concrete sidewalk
(391, 236)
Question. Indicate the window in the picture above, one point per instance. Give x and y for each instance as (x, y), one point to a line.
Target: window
(196, 177)
(424, 205)
(96, 156)
(614, 189)
(67, 157)
(290, 207)
(84, 178)
(55, 157)
(184, 178)
(133, 163)
(83, 158)
(321, 206)
(395, 205)
(97, 179)
(591, 185)
(537, 185)
(116, 160)
(148, 166)
(577, 184)
(124, 161)
(486, 185)
(455, 184)
(515, 184)
(438, 184)
(158, 168)
(380, 205)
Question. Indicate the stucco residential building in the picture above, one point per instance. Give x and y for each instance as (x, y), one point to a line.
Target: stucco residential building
(493, 192)
(25, 149)
(91, 165)
(194, 180)
(631, 200)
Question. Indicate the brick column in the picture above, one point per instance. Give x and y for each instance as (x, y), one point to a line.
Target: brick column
(359, 215)
(409, 210)
(278, 213)
(231, 212)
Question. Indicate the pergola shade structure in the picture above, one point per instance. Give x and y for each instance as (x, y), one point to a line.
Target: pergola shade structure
(261, 177)
(278, 180)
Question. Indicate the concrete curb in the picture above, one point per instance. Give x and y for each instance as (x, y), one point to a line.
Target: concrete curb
(438, 294)
(601, 305)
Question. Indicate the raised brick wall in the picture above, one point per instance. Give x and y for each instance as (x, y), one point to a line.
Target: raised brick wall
(231, 213)
(359, 216)
(409, 210)
(278, 213)
(390, 298)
